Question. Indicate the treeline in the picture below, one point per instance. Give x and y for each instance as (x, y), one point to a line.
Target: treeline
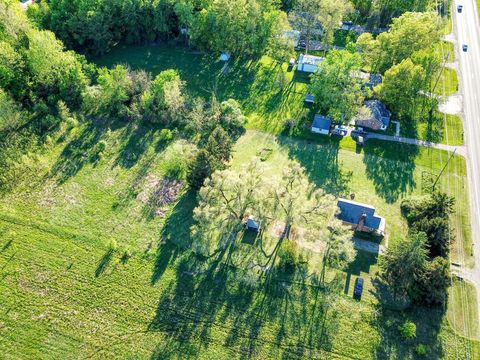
(418, 268)
(93, 27)
(241, 27)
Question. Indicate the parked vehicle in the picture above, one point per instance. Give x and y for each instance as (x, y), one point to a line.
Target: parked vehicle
(459, 8)
(465, 47)
(358, 289)
(340, 130)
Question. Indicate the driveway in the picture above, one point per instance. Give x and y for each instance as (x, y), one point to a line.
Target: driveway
(460, 150)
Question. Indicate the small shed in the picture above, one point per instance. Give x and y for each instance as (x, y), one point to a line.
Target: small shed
(321, 125)
(224, 56)
(252, 225)
(309, 63)
(309, 99)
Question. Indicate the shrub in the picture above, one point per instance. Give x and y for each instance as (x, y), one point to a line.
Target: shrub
(112, 245)
(288, 254)
(166, 135)
(421, 350)
(408, 330)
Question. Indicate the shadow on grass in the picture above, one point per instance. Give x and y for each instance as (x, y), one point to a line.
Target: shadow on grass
(104, 262)
(362, 263)
(7, 245)
(208, 303)
(320, 160)
(390, 166)
(82, 150)
(175, 234)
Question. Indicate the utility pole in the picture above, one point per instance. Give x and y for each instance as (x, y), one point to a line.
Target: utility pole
(441, 172)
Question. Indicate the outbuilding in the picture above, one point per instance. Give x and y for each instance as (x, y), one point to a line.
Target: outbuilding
(252, 225)
(321, 125)
(309, 63)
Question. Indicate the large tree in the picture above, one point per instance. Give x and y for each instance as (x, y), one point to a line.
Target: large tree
(403, 263)
(224, 202)
(401, 86)
(337, 91)
(318, 18)
(409, 33)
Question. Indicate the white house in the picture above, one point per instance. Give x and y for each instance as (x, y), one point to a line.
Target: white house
(309, 63)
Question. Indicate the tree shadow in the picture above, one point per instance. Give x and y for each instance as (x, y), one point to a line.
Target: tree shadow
(136, 139)
(175, 235)
(104, 262)
(320, 160)
(82, 150)
(390, 166)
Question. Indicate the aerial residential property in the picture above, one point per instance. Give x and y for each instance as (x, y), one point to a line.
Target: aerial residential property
(233, 179)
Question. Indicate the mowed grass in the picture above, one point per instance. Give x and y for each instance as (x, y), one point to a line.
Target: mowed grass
(66, 293)
(442, 128)
(53, 306)
(462, 316)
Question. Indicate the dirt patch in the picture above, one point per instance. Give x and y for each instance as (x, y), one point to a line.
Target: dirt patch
(157, 194)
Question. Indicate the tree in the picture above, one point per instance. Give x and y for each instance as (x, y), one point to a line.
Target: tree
(281, 47)
(231, 117)
(164, 100)
(296, 201)
(112, 96)
(336, 90)
(403, 263)
(434, 282)
(408, 34)
(430, 214)
(219, 146)
(199, 169)
(11, 116)
(223, 204)
(400, 88)
(339, 250)
(315, 18)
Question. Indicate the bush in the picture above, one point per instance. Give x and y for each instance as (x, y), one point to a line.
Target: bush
(408, 330)
(288, 254)
(421, 350)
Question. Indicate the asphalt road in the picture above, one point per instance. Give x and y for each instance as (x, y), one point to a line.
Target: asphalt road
(466, 27)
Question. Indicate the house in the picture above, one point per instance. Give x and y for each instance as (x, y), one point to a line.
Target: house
(309, 63)
(252, 225)
(361, 217)
(321, 125)
(224, 56)
(374, 115)
(371, 80)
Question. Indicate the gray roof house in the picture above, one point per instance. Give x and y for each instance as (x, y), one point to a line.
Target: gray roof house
(361, 217)
(374, 115)
(321, 125)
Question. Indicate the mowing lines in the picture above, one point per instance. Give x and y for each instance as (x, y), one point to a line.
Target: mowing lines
(464, 300)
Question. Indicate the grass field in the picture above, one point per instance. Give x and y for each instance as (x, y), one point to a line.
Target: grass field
(66, 292)
(461, 316)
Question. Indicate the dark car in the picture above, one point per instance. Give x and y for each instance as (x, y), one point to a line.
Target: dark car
(358, 289)
(465, 47)
(459, 8)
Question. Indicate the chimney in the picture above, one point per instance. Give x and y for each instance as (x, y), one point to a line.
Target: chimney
(361, 222)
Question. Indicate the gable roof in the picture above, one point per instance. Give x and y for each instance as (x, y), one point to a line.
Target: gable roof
(322, 122)
(352, 211)
(378, 117)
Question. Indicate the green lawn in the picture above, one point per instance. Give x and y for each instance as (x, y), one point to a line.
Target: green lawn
(443, 128)
(65, 293)
(462, 317)
(447, 83)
